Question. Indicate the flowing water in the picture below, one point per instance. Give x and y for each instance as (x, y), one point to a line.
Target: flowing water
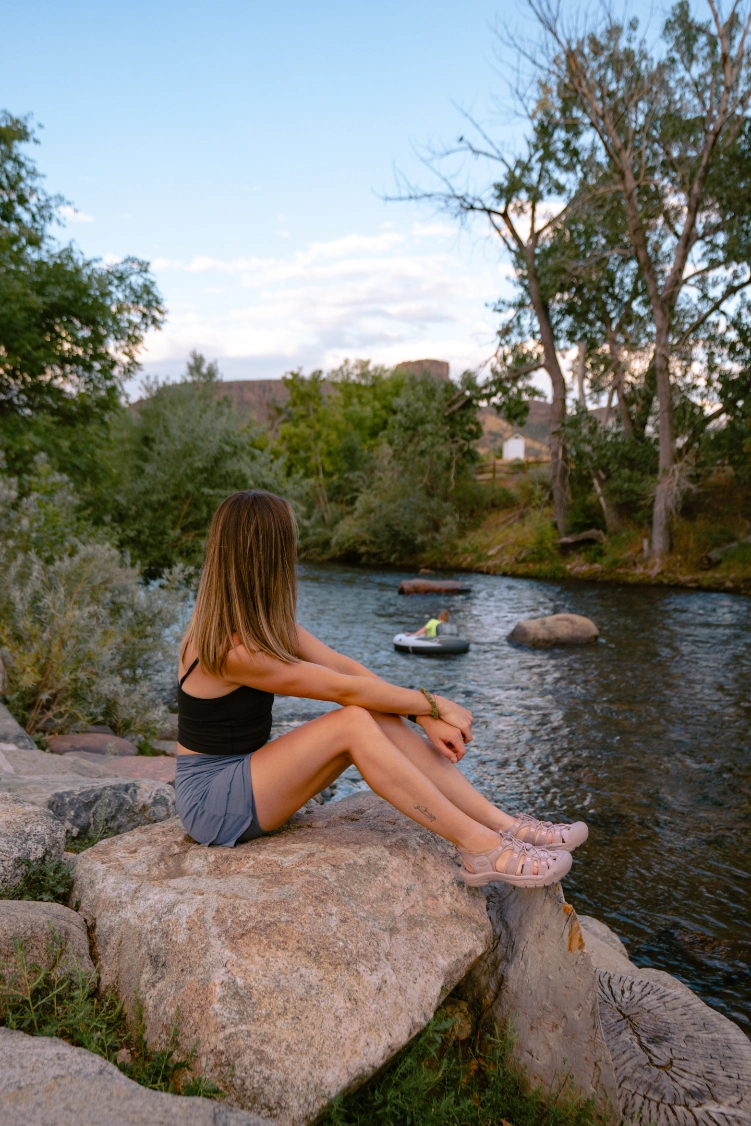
(647, 735)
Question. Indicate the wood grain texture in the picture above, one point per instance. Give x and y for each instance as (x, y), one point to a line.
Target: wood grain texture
(677, 1062)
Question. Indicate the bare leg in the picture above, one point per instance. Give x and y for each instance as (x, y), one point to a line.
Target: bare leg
(442, 773)
(289, 771)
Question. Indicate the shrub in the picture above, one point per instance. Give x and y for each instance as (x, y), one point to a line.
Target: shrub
(46, 881)
(82, 639)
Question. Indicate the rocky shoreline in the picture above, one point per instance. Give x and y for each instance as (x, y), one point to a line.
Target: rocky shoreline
(301, 963)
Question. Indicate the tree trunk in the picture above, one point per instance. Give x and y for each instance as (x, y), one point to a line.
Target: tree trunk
(580, 373)
(558, 456)
(663, 505)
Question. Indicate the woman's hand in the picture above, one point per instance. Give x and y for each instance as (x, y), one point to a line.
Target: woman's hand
(444, 737)
(456, 716)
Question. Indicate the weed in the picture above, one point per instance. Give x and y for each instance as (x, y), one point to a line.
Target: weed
(439, 1081)
(47, 880)
(41, 1002)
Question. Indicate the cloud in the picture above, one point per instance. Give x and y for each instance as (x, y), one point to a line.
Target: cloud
(388, 296)
(74, 216)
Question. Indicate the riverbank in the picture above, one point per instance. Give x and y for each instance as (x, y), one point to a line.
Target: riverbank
(522, 541)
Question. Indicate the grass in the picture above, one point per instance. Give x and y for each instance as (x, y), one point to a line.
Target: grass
(440, 1080)
(523, 543)
(43, 1002)
(47, 880)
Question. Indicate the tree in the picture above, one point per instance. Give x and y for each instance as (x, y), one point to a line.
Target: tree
(178, 452)
(666, 127)
(70, 328)
(517, 204)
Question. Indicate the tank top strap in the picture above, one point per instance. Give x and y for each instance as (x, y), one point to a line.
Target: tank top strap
(187, 674)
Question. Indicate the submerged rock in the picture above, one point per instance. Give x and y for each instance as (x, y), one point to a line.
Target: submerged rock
(557, 629)
(44, 928)
(432, 586)
(303, 961)
(27, 833)
(44, 1081)
(676, 1060)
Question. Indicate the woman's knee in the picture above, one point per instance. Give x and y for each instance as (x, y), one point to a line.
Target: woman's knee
(356, 718)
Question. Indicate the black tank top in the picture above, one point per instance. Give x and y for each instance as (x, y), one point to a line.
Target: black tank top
(235, 724)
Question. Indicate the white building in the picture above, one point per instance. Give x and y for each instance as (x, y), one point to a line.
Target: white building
(513, 448)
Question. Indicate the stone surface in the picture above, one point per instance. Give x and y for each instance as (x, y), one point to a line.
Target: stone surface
(83, 790)
(95, 806)
(557, 629)
(169, 731)
(677, 1061)
(96, 743)
(166, 746)
(26, 833)
(36, 924)
(11, 730)
(46, 1082)
(160, 768)
(538, 979)
(432, 586)
(301, 962)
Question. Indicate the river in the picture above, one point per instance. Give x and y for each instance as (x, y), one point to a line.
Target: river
(646, 735)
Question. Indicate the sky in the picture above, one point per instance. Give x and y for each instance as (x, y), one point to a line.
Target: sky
(244, 150)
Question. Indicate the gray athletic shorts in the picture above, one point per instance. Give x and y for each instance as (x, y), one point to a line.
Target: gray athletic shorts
(214, 799)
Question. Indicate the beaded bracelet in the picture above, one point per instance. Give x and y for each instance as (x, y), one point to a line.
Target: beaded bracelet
(435, 714)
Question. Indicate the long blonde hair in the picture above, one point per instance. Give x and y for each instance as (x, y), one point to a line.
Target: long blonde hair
(248, 587)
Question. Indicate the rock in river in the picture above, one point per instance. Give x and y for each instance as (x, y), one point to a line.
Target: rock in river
(557, 629)
(432, 586)
(46, 1082)
(95, 743)
(26, 833)
(301, 962)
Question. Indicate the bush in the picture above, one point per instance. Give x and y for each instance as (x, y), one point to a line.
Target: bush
(46, 881)
(82, 639)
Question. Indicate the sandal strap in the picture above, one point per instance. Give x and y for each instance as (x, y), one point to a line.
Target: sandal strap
(520, 862)
(558, 830)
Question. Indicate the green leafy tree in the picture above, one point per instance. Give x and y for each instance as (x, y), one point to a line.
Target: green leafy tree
(178, 452)
(70, 327)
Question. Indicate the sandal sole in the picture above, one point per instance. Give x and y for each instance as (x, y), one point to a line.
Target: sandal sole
(484, 879)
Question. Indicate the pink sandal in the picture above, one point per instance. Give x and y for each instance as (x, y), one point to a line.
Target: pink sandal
(520, 866)
(565, 837)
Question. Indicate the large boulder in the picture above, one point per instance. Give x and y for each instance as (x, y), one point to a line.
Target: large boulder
(46, 1082)
(676, 1060)
(81, 790)
(100, 807)
(557, 629)
(303, 961)
(27, 833)
(538, 980)
(160, 768)
(53, 936)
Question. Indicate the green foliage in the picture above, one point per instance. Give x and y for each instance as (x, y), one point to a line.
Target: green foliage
(45, 1002)
(70, 328)
(420, 489)
(47, 881)
(439, 1081)
(176, 454)
(82, 639)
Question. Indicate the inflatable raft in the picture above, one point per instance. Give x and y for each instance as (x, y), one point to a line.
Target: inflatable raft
(446, 645)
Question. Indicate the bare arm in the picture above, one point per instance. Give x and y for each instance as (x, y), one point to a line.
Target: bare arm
(312, 681)
(445, 737)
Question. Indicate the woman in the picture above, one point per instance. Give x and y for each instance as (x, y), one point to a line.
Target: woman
(243, 645)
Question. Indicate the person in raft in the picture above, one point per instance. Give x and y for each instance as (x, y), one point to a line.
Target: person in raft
(430, 627)
(243, 645)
